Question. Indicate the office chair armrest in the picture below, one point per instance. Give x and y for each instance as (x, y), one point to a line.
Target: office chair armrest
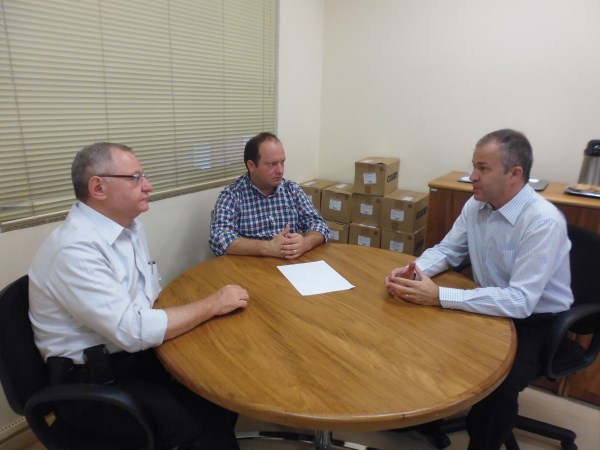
(37, 406)
(580, 319)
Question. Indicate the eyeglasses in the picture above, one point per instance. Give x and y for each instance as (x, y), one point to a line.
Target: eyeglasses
(137, 176)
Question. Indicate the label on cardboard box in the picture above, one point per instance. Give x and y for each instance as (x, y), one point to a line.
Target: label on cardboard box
(396, 246)
(397, 215)
(370, 178)
(335, 205)
(365, 241)
(366, 209)
(334, 234)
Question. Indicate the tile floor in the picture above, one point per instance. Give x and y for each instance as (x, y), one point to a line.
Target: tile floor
(580, 417)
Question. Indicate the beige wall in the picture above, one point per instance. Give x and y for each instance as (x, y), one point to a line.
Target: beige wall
(418, 79)
(424, 79)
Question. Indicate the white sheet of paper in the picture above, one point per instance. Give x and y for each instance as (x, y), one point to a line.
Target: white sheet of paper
(314, 278)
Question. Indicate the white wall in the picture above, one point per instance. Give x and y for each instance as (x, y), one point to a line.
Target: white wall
(300, 56)
(424, 79)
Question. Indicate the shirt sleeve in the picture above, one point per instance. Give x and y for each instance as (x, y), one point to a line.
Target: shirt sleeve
(89, 287)
(451, 252)
(534, 264)
(224, 224)
(309, 218)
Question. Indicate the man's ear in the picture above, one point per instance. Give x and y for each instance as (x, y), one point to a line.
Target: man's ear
(250, 165)
(517, 172)
(96, 188)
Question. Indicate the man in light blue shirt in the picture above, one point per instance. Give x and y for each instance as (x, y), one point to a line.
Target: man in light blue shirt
(519, 250)
(92, 288)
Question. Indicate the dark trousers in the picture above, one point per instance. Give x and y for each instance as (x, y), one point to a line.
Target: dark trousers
(178, 417)
(491, 421)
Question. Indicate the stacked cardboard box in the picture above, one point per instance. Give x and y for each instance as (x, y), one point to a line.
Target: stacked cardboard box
(372, 212)
(331, 198)
(403, 221)
(338, 232)
(314, 189)
(374, 177)
(336, 209)
(365, 235)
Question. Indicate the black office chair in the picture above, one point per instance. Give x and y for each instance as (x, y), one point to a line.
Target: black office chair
(24, 378)
(564, 353)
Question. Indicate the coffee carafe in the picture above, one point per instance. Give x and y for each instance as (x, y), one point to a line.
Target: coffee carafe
(590, 168)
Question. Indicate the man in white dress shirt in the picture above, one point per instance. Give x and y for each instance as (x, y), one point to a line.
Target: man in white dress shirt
(519, 250)
(92, 289)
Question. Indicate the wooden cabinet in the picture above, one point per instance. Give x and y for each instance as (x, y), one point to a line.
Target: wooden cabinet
(447, 196)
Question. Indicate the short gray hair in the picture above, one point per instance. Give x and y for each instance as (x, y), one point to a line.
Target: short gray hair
(515, 147)
(89, 161)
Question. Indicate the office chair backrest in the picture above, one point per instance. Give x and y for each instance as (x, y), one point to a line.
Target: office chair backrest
(22, 370)
(585, 272)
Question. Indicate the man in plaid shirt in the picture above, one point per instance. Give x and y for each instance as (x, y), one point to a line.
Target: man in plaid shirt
(263, 214)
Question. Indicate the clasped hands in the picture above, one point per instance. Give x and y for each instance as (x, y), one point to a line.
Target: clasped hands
(289, 245)
(401, 283)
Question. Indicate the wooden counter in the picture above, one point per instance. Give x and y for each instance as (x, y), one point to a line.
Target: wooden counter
(447, 196)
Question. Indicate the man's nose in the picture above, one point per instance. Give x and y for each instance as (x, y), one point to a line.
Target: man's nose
(146, 185)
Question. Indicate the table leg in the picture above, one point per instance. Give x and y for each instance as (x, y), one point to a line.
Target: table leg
(321, 440)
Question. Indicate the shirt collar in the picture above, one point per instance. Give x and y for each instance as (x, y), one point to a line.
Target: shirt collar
(512, 209)
(257, 190)
(107, 228)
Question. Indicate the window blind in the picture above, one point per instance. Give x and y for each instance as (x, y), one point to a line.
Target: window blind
(185, 83)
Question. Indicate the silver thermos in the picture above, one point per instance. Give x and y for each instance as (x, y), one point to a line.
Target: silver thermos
(590, 168)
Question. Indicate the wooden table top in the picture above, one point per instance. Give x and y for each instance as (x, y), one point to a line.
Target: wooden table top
(347, 360)
(554, 192)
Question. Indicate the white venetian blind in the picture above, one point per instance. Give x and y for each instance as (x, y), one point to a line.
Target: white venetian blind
(183, 82)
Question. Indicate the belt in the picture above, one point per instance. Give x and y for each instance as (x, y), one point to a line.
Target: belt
(97, 369)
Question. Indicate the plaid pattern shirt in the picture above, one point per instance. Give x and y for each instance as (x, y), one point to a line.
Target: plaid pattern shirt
(243, 211)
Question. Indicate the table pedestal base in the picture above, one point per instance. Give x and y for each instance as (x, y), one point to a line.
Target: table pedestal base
(321, 440)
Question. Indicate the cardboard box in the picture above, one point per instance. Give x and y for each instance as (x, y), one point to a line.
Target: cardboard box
(404, 210)
(364, 235)
(336, 203)
(376, 175)
(366, 209)
(313, 189)
(399, 241)
(338, 232)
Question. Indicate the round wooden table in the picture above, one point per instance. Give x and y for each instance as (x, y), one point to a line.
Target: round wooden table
(348, 360)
